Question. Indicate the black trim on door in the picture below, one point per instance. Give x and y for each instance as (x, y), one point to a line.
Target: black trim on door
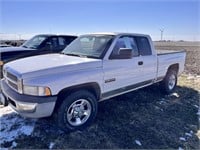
(124, 89)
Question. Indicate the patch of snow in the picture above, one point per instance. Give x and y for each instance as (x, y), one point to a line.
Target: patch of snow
(198, 134)
(196, 106)
(138, 142)
(175, 94)
(191, 132)
(180, 148)
(13, 125)
(198, 113)
(14, 144)
(51, 145)
(182, 139)
(188, 134)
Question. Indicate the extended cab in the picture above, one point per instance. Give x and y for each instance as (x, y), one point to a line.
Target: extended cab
(39, 44)
(92, 68)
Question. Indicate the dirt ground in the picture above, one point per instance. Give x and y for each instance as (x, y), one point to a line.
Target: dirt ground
(143, 119)
(192, 49)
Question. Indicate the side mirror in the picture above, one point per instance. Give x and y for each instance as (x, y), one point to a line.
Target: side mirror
(124, 53)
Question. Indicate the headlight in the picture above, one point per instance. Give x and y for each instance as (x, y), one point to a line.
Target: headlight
(36, 90)
(19, 86)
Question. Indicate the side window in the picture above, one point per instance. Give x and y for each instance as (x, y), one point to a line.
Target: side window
(61, 41)
(125, 42)
(54, 42)
(50, 44)
(143, 46)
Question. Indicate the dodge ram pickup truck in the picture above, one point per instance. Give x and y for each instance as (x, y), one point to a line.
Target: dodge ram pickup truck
(93, 68)
(39, 44)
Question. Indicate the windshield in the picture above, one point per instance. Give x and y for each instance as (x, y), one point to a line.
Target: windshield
(91, 46)
(34, 42)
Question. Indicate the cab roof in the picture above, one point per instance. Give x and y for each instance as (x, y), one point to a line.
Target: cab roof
(117, 34)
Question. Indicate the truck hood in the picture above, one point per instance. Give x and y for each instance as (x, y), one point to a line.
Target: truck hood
(14, 49)
(51, 63)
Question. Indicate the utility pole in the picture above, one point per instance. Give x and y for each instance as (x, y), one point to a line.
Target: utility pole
(161, 34)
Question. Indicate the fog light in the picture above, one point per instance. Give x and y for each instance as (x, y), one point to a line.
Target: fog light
(27, 107)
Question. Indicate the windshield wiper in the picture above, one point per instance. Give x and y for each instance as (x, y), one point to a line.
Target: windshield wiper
(24, 46)
(71, 54)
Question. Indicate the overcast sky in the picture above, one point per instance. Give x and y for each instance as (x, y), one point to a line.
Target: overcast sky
(24, 18)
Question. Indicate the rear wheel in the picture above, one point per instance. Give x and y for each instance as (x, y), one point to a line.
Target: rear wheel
(77, 111)
(169, 83)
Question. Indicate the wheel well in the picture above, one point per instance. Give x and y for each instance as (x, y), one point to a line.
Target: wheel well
(91, 87)
(174, 67)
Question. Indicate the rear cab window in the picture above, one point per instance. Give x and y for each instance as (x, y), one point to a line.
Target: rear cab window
(143, 46)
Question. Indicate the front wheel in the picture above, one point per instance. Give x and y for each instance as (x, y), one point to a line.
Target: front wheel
(169, 83)
(77, 111)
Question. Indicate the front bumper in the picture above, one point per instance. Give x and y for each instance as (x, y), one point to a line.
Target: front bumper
(3, 100)
(29, 106)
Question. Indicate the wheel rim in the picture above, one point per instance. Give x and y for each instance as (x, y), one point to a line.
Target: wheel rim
(172, 81)
(79, 112)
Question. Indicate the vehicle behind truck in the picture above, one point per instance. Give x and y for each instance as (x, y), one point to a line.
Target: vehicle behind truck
(39, 44)
(93, 68)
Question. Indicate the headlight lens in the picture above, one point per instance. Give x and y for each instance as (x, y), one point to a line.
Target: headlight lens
(36, 90)
(19, 86)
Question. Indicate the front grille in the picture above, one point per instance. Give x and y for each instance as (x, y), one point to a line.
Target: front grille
(11, 80)
(11, 76)
(12, 85)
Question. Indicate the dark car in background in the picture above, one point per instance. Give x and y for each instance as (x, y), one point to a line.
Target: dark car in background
(39, 44)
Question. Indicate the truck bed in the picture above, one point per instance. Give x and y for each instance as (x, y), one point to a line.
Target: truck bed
(167, 57)
(165, 52)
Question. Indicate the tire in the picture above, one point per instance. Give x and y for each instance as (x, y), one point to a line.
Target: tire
(169, 83)
(77, 111)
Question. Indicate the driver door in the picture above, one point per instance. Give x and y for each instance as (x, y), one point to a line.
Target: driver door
(120, 74)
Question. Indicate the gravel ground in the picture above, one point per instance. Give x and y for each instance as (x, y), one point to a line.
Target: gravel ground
(143, 119)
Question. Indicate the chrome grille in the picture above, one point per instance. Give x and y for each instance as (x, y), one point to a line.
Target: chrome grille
(12, 85)
(11, 76)
(11, 80)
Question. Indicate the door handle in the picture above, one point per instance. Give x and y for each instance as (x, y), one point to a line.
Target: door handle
(140, 62)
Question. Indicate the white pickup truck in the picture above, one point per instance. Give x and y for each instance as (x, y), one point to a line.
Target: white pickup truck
(94, 67)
